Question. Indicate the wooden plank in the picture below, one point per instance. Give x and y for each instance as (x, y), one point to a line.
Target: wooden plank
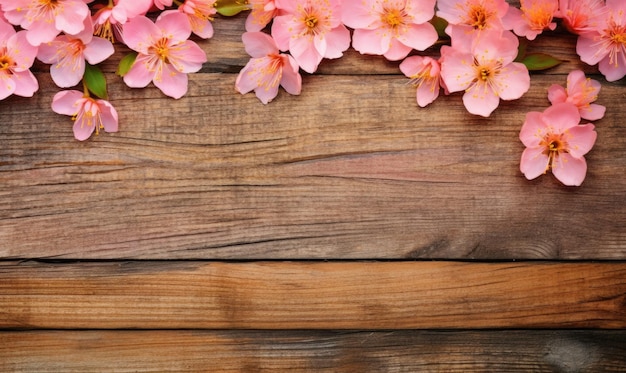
(306, 351)
(351, 169)
(221, 176)
(312, 295)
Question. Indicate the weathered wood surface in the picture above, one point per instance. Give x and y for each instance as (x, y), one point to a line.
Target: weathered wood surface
(281, 295)
(311, 351)
(351, 169)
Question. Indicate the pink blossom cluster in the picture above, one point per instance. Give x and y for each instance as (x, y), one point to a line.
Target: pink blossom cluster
(479, 55)
(73, 36)
(555, 139)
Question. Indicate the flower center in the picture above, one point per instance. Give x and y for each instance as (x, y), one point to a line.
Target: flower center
(484, 73)
(478, 16)
(554, 145)
(392, 17)
(204, 11)
(51, 4)
(6, 63)
(88, 114)
(615, 39)
(311, 22)
(161, 49)
(617, 34)
(539, 15)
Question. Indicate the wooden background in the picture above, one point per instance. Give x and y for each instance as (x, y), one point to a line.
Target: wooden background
(344, 229)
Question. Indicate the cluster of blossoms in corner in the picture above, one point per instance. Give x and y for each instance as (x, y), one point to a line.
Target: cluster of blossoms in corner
(480, 56)
(74, 36)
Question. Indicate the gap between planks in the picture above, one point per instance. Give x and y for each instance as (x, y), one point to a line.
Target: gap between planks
(312, 295)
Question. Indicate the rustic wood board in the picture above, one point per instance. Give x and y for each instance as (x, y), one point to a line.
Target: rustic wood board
(285, 295)
(371, 177)
(350, 170)
(313, 351)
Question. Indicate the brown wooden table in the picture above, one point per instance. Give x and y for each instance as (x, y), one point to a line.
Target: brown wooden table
(345, 229)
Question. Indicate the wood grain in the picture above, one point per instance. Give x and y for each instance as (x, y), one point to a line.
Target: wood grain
(308, 295)
(351, 169)
(220, 176)
(313, 351)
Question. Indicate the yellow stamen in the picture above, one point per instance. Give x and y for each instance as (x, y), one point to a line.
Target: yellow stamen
(310, 21)
(392, 17)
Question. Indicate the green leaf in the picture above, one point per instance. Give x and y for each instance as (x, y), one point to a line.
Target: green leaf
(540, 61)
(126, 63)
(440, 25)
(230, 8)
(95, 81)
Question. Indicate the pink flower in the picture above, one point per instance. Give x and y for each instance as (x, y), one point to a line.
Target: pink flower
(44, 20)
(391, 28)
(581, 92)
(476, 14)
(88, 114)
(485, 71)
(267, 69)
(161, 4)
(261, 14)
(425, 75)
(16, 57)
(532, 18)
(68, 53)
(200, 14)
(606, 44)
(310, 30)
(580, 15)
(554, 140)
(109, 20)
(165, 55)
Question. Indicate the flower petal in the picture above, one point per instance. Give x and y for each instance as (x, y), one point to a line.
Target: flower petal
(187, 57)
(259, 44)
(7, 86)
(480, 100)
(419, 36)
(513, 81)
(140, 33)
(266, 94)
(370, 42)
(534, 162)
(291, 79)
(561, 117)
(359, 14)
(556, 94)
(25, 83)
(108, 116)
(337, 41)
(64, 102)
(569, 170)
(304, 52)
(397, 50)
(67, 74)
(533, 130)
(98, 50)
(171, 82)
(592, 112)
(580, 139)
(140, 73)
(174, 25)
